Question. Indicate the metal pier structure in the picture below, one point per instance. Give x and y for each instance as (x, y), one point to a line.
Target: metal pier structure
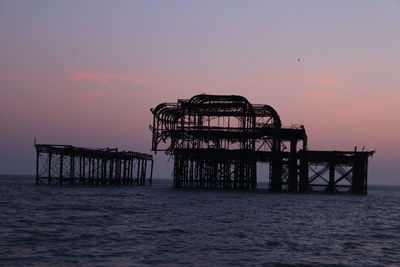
(218, 141)
(69, 165)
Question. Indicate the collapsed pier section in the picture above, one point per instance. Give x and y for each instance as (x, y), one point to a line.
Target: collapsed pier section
(70, 165)
(218, 141)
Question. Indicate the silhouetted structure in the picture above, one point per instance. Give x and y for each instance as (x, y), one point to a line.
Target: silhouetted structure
(218, 140)
(65, 164)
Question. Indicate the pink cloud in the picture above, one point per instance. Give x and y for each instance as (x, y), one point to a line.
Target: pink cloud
(109, 83)
(313, 78)
(107, 79)
(324, 81)
(316, 94)
(11, 76)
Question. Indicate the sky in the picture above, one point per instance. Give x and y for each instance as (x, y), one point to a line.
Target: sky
(87, 73)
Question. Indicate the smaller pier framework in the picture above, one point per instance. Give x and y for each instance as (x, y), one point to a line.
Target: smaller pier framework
(69, 165)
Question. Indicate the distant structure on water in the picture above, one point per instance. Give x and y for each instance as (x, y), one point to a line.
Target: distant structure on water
(69, 165)
(217, 141)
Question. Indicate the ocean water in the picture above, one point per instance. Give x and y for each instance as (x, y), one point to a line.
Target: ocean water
(161, 226)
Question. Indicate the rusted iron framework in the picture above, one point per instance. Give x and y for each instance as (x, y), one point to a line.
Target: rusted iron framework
(217, 141)
(69, 165)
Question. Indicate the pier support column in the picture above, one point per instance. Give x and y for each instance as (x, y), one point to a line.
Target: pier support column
(138, 172)
(151, 173)
(37, 167)
(61, 170)
(359, 182)
(276, 164)
(276, 173)
(72, 169)
(49, 170)
(293, 166)
(331, 185)
(303, 183)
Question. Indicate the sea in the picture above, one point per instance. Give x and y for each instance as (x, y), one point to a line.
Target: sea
(162, 226)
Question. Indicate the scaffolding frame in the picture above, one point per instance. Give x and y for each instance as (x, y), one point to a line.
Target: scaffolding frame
(217, 140)
(70, 165)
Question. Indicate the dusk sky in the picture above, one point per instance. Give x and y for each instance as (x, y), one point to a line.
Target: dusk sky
(87, 73)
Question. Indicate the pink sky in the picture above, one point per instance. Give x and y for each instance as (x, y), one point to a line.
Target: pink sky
(87, 74)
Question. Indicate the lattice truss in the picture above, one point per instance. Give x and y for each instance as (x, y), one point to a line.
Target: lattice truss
(213, 174)
(193, 129)
(209, 121)
(63, 164)
(323, 177)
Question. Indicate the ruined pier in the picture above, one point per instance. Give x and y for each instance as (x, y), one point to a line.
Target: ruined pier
(219, 142)
(69, 165)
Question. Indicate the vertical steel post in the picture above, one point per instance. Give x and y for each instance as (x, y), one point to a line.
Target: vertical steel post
(293, 166)
(37, 167)
(331, 186)
(151, 173)
(49, 170)
(61, 169)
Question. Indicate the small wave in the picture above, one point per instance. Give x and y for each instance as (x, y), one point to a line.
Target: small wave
(171, 230)
(87, 236)
(270, 244)
(241, 235)
(351, 245)
(226, 221)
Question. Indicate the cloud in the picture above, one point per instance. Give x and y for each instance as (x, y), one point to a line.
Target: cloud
(320, 94)
(107, 79)
(109, 83)
(11, 76)
(315, 79)
(323, 81)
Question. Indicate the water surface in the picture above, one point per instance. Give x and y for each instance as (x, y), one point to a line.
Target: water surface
(158, 225)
